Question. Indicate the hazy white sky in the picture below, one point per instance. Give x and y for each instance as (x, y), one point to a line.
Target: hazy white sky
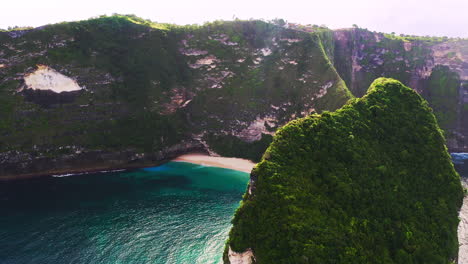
(421, 17)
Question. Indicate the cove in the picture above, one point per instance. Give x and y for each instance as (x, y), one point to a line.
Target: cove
(175, 213)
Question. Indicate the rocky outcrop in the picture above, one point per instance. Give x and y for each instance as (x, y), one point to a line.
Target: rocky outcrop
(453, 54)
(245, 257)
(463, 233)
(351, 186)
(45, 78)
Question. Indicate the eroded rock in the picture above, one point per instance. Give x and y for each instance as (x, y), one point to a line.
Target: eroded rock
(46, 78)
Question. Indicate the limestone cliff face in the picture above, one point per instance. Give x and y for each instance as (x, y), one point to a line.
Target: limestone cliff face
(123, 84)
(126, 92)
(435, 68)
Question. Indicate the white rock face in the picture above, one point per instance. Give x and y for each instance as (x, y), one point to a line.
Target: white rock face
(45, 78)
(452, 54)
(208, 60)
(240, 258)
(463, 229)
(266, 51)
(193, 52)
(290, 40)
(463, 234)
(407, 45)
(255, 129)
(323, 89)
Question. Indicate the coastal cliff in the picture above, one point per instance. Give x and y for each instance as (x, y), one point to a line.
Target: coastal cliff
(129, 90)
(121, 88)
(437, 68)
(369, 183)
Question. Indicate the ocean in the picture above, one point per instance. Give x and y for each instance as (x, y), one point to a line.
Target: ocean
(175, 213)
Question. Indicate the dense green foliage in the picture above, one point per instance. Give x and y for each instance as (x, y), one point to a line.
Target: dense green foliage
(369, 183)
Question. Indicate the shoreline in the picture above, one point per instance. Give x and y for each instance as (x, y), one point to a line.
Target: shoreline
(100, 162)
(193, 157)
(87, 170)
(237, 164)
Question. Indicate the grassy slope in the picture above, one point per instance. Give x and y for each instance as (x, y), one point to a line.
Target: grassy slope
(369, 183)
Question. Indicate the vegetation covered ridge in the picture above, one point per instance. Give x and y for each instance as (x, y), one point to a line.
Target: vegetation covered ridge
(358, 55)
(149, 90)
(278, 21)
(369, 183)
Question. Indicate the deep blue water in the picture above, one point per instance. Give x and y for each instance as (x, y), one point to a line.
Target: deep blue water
(175, 213)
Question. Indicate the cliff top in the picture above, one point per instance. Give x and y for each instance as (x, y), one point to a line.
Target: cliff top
(278, 22)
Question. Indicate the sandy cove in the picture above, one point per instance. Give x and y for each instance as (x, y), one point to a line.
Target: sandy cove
(222, 162)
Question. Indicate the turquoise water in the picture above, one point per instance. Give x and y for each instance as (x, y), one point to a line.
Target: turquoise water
(175, 213)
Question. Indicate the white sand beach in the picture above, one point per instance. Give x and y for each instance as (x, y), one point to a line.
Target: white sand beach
(222, 162)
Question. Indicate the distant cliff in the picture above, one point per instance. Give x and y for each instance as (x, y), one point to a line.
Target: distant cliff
(369, 183)
(121, 91)
(437, 68)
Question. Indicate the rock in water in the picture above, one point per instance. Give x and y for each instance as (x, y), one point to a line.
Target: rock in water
(370, 183)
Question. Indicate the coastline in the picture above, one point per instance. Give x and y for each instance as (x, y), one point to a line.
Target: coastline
(84, 170)
(193, 157)
(238, 164)
(19, 167)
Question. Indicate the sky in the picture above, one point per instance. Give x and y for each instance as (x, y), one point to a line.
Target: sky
(414, 17)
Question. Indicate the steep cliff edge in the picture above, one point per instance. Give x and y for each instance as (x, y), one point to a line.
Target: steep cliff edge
(132, 92)
(141, 91)
(370, 183)
(437, 68)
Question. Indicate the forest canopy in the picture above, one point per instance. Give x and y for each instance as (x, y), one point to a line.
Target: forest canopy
(370, 183)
